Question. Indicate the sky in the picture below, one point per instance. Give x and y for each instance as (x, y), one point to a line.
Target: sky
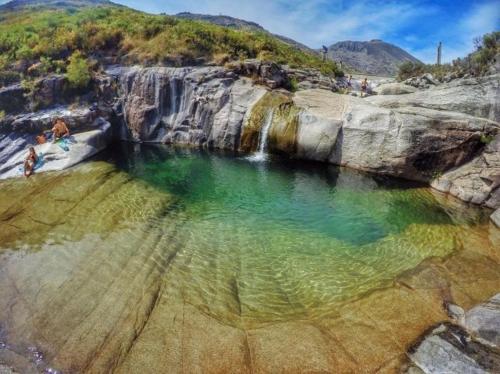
(415, 25)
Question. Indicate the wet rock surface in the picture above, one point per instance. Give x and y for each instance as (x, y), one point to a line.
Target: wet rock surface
(470, 346)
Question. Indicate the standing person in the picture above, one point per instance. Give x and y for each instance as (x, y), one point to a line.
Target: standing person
(60, 129)
(364, 87)
(30, 162)
(349, 83)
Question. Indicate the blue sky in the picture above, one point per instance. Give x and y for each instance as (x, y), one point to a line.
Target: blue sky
(415, 25)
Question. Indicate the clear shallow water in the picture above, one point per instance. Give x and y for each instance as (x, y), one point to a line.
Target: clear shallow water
(246, 242)
(276, 240)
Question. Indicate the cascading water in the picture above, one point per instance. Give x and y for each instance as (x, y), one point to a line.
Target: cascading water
(261, 154)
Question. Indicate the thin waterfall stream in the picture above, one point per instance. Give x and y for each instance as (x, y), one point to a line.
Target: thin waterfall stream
(261, 154)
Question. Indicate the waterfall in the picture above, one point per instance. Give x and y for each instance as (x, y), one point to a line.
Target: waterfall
(261, 154)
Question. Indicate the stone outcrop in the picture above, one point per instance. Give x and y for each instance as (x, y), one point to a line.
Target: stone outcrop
(479, 97)
(394, 89)
(12, 99)
(470, 346)
(414, 143)
(495, 217)
(476, 181)
(202, 107)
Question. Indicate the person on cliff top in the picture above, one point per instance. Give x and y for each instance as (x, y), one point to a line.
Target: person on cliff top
(364, 87)
(30, 162)
(60, 129)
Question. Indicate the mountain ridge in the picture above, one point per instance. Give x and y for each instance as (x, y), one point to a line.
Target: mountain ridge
(374, 57)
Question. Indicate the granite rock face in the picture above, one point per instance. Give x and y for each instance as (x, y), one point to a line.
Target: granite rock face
(479, 97)
(394, 89)
(202, 107)
(414, 143)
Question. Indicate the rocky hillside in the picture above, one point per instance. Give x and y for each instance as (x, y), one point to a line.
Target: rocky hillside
(374, 57)
(237, 23)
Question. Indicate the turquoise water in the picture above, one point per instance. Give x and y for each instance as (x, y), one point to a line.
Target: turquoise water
(289, 239)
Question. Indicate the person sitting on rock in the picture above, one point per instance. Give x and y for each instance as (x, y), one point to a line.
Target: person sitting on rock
(364, 87)
(30, 162)
(41, 139)
(60, 129)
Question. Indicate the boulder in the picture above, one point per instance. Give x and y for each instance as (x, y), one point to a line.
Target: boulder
(263, 72)
(483, 321)
(477, 181)
(470, 346)
(424, 81)
(394, 89)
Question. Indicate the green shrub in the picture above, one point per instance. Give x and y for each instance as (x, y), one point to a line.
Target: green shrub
(78, 71)
(293, 84)
(2, 114)
(486, 138)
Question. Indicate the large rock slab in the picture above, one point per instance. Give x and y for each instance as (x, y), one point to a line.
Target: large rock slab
(414, 143)
(478, 97)
(477, 181)
(484, 321)
(81, 146)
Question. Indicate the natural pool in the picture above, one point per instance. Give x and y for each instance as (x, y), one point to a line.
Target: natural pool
(98, 264)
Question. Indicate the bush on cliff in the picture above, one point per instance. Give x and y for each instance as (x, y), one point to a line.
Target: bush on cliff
(78, 71)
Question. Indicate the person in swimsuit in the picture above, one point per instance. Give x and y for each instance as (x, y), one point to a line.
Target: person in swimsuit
(30, 162)
(364, 87)
(60, 129)
(349, 83)
(41, 139)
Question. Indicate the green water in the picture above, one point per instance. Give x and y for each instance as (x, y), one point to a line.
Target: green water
(245, 242)
(288, 239)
